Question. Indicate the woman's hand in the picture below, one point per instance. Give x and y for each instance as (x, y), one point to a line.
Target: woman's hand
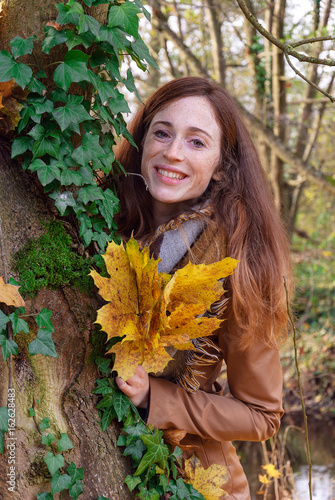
(136, 387)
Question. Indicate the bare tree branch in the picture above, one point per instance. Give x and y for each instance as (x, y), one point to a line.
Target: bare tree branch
(286, 48)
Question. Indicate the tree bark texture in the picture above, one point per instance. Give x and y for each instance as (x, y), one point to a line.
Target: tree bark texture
(63, 386)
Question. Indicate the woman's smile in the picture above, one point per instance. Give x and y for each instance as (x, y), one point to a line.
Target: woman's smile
(181, 152)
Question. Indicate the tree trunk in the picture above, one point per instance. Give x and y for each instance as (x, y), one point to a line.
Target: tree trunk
(63, 386)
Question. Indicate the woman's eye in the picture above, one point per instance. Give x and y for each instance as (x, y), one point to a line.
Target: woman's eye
(161, 134)
(198, 143)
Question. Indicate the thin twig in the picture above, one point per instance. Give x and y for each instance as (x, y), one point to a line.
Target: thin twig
(330, 97)
(9, 325)
(300, 393)
(312, 40)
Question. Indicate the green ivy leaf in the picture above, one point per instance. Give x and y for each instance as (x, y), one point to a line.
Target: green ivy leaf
(64, 443)
(73, 69)
(143, 52)
(106, 402)
(89, 150)
(103, 387)
(9, 69)
(69, 14)
(3, 320)
(113, 67)
(125, 16)
(115, 37)
(54, 462)
(75, 473)
(72, 112)
(31, 412)
(136, 450)
(46, 146)
(63, 200)
(60, 482)
(132, 482)
(2, 442)
(4, 419)
(101, 239)
(52, 37)
(101, 497)
(37, 132)
(76, 489)
(48, 439)
(43, 344)
(69, 177)
(43, 106)
(8, 347)
(21, 46)
(45, 424)
(19, 325)
(43, 320)
(44, 496)
(109, 206)
(118, 104)
(135, 431)
(88, 23)
(145, 494)
(36, 86)
(107, 417)
(90, 193)
(157, 452)
(47, 174)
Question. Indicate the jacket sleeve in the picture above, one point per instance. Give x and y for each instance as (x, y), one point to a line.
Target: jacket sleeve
(250, 412)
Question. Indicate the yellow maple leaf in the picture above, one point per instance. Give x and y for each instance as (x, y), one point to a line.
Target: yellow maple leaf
(9, 294)
(271, 470)
(263, 479)
(209, 481)
(153, 310)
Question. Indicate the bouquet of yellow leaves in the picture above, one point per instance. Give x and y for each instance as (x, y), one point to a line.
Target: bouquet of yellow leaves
(153, 310)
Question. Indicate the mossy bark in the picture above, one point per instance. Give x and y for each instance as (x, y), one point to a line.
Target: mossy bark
(64, 385)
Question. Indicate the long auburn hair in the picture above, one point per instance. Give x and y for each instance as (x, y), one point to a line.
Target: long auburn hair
(244, 212)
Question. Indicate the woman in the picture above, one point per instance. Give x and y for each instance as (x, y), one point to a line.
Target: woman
(204, 197)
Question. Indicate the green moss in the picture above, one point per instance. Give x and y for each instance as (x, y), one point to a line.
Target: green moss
(49, 262)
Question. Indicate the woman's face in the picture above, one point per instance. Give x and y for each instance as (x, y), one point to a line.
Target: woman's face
(181, 152)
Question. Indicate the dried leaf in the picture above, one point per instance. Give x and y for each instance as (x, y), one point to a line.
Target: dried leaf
(174, 436)
(6, 88)
(9, 294)
(55, 25)
(209, 481)
(153, 310)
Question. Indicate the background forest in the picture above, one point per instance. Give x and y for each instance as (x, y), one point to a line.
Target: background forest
(277, 58)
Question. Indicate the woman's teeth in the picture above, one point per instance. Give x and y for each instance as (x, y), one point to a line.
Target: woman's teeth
(172, 175)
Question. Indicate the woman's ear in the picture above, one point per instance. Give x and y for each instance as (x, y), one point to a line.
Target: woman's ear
(216, 176)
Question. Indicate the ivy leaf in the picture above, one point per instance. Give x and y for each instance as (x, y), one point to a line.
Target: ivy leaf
(88, 23)
(3, 320)
(63, 200)
(21, 46)
(125, 16)
(8, 347)
(135, 431)
(121, 404)
(43, 344)
(101, 239)
(60, 482)
(107, 417)
(20, 145)
(44, 496)
(4, 419)
(143, 52)
(43, 320)
(76, 489)
(47, 174)
(52, 37)
(69, 177)
(19, 325)
(75, 472)
(157, 452)
(46, 146)
(103, 387)
(145, 494)
(37, 132)
(101, 497)
(43, 106)
(54, 462)
(90, 193)
(9, 69)
(136, 450)
(69, 14)
(89, 150)
(45, 424)
(132, 482)
(31, 412)
(114, 36)
(36, 86)
(106, 402)
(64, 443)
(48, 439)
(118, 104)
(73, 69)
(72, 112)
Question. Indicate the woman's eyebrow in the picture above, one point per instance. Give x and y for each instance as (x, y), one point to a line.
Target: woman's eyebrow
(191, 129)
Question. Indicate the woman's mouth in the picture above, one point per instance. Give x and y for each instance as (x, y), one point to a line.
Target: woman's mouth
(170, 174)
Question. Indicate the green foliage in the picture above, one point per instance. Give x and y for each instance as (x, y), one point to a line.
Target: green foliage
(155, 466)
(49, 261)
(53, 121)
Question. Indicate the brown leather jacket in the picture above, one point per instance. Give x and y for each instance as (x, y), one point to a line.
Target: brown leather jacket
(251, 410)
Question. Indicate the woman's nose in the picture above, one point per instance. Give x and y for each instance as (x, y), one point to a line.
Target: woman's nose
(174, 150)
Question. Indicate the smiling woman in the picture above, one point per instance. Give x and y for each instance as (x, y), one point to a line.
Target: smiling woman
(206, 197)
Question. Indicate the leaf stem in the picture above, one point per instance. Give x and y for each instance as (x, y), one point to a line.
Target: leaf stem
(308, 454)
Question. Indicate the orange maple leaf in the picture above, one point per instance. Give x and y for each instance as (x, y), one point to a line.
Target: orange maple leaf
(153, 310)
(209, 481)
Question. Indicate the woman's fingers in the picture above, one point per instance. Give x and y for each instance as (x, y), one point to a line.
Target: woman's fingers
(136, 387)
